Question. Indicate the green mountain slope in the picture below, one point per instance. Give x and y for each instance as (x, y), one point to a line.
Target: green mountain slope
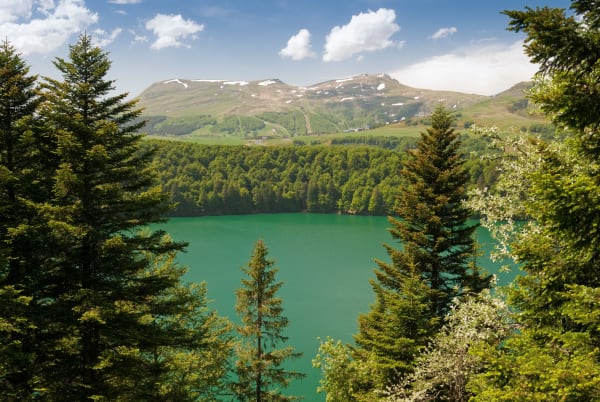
(273, 110)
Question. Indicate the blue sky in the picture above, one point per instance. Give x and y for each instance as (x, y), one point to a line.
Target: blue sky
(434, 44)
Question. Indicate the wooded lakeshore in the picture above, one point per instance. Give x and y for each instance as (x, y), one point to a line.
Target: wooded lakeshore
(94, 305)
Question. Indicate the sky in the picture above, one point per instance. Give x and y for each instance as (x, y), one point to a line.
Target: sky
(429, 44)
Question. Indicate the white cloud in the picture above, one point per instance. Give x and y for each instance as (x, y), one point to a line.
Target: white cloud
(444, 33)
(298, 46)
(45, 6)
(13, 10)
(366, 32)
(40, 26)
(169, 29)
(485, 70)
(102, 38)
(137, 37)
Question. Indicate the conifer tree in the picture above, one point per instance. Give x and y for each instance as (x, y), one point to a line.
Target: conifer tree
(432, 222)
(395, 329)
(259, 362)
(554, 355)
(18, 172)
(436, 263)
(18, 103)
(104, 311)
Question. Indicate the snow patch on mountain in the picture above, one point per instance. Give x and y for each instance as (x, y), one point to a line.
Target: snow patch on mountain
(212, 81)
(177, 81)
(240, 83)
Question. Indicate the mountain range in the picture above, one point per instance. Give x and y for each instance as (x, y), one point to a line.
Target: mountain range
(272, 109)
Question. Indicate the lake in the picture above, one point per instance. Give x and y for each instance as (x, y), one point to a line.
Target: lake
(325, 262)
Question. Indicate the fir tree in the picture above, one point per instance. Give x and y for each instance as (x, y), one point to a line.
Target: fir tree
(103, 310)
(396, 328)
(259, 362)
(18, 103)
(436, 263)
(432, 222)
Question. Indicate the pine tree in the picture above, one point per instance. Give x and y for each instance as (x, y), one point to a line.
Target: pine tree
(436, 263)
(259, 362)
(103, 311)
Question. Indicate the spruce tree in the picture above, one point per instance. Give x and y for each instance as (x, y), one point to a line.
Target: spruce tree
(436, 262)
(18, 172)
(259, 362)
(395, 329)
(432, 221)
(18, 103)
(109, 307)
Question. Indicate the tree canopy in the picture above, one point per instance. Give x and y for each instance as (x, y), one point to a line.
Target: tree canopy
(357, 179)
(554, 355)
(414, 292)
(93, 300)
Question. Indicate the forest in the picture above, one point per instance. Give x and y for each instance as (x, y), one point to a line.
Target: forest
(358, 179)
(93, 306)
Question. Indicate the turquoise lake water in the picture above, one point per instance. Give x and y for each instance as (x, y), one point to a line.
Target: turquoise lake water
(325, 262)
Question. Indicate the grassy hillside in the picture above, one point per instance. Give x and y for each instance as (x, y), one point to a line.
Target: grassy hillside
(272, 112)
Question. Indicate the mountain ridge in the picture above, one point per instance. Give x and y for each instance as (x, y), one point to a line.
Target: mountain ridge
(272, 108)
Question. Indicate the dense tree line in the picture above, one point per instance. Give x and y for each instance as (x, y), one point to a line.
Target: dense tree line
(357, 179)
(209, 180)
